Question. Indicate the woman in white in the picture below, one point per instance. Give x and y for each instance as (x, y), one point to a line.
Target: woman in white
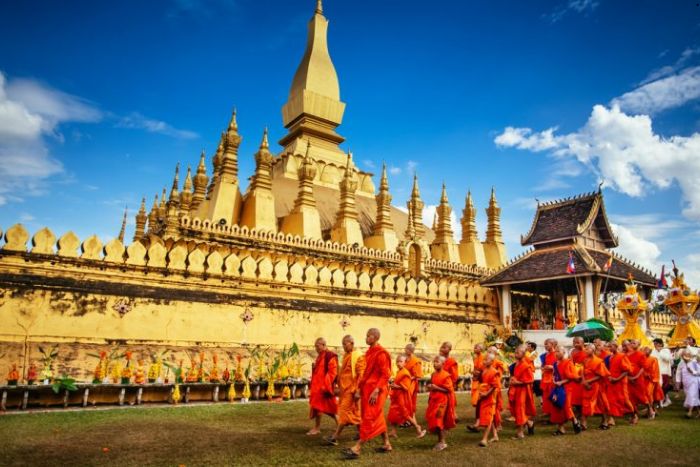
(688, 376)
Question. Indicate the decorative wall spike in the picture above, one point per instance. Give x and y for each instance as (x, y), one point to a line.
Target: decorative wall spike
(177, 257)
(43, 242)
(68, 245)
(215, 263)
(114, 251)
(91, 248)
(156, 255)
(136, 254)
(16, 238)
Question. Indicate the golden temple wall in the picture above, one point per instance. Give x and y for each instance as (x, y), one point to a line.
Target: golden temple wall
(189, 296)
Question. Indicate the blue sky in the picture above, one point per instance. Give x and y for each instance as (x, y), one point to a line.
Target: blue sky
(542, 99)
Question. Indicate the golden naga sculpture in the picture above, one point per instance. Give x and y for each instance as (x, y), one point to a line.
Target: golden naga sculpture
(632, 306)
(683, 303)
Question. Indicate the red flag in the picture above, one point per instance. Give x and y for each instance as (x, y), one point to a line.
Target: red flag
(608, 264)
(661, 283)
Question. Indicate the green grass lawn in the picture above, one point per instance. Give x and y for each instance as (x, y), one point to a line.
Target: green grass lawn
(273, 434)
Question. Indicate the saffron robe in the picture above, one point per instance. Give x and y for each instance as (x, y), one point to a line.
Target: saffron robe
(401, 402)
(565, 371)
(440, 412)
(638, 389)
(521, 400)
(350, 373)
(321, 395)
(653, 378)
(594, 400)
(547, 359)
(617, 393)
(451, 367)
(476, 374)
(577, 358)
(501, 369)
(376, 376)
(415, 368)
(490, 379)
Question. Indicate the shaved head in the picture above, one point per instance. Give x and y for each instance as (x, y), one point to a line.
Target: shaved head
(375, 332)
(348, 338)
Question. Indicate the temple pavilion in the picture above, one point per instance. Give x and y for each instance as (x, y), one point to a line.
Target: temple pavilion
(569, 268)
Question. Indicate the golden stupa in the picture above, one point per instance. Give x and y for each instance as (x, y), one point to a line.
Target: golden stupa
(683, 303)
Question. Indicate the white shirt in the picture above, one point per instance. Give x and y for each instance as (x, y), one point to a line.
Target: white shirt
(665, 360)
(693, 351)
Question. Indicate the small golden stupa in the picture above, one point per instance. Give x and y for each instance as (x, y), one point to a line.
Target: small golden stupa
(683, 303)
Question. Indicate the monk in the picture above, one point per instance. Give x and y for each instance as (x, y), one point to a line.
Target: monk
(593, 399)
(577, 356)
(322, 387)
(603, 405)
(415, 368)
(638, 391)
(653, 378)
(477, 368)
(489, 387)
(440, 415)
(351, 370)
(616, 389)
(451, 367)
(372, 392)
(563, 373)
(521, 400)
(501, 369)
(401, 403)
(548, 359)
(601, 349)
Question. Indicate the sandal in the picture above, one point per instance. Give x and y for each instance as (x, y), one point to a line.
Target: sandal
(483, 444)
(422, 434)
(440, 447)
(531, 429)
(472, 429)
(383, 449)
(558, 433)
(350, 454)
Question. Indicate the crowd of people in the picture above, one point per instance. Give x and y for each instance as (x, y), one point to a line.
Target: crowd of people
(599, 379)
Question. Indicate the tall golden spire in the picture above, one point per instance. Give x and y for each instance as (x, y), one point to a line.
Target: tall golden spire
(313, 109)
(141, 217)
(443, 226)
(200, 182)
(123, 229)
(304, 219)
(186, 195)
(415, 206)
(493, 212)
(383, 235)
(153, 216)
(176, 184)
(259, 203)
(469, 233)
(216, 162)
(232, 140)
(163, 207)
(346, 228)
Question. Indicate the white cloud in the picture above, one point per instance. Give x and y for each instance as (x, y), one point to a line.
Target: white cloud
(687, 54)
(369, 164)
(573, 6)
(411, 166)
(430, 214)
(625, 152)
(637, 248)
(394, 170)
(137, 121)
(662, 94)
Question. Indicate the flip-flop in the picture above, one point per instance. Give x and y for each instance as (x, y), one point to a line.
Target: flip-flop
(482, 444)
(440, 447)
(350, 454)
(383, 449)
(472, 429)
(422, 434)
(531, 429)
(517, 438)
(558, 433)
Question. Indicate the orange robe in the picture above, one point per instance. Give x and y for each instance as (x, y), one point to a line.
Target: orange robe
(651, 372)
(348, 407)
(415, 368)
(577, 358)
(521, 400)
(440, 412)
(546, 383)
(594, 400)
(490, 379)
(638, 389)
(617, 394)
(376, 376)
(476, 373)
(451, 367)
(567, 371)
(401, 403)
(501, 369)
(322, 397)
